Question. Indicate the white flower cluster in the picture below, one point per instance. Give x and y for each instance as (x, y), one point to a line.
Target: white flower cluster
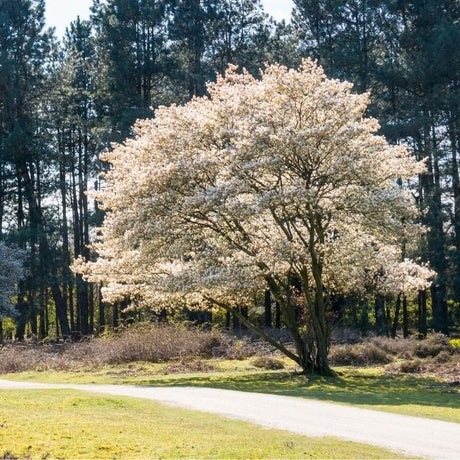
(261, 179)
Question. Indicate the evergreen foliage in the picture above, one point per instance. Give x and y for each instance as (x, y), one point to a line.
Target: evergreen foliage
(62, 104)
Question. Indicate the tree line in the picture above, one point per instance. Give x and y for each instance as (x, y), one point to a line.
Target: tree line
(63, 103)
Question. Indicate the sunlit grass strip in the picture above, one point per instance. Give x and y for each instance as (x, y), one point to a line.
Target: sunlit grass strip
(364, 387)
(70, 424)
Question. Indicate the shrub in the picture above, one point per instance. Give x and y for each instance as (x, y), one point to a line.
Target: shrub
(365, 353)
(443, 357)
(410, 366)
(265, 362)
(164, 343)
(431, 346)
(342, 335)
(392, 346)
(184, 366)
(345, 355)
(144, 342)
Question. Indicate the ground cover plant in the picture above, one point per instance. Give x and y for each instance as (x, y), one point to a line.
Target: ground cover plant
(68, 424)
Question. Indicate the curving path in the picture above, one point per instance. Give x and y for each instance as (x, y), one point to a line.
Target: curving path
(413, 436)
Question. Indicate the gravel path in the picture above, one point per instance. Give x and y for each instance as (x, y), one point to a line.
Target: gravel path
(413, 436)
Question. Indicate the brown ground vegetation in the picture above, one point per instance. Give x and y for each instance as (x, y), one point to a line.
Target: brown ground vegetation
(184, 349)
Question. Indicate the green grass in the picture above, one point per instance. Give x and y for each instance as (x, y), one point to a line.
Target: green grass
(363, 387)
(70, 424)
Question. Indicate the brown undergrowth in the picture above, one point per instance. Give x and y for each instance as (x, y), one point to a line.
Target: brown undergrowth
(144, 342)
(185, 349)
(434, 355)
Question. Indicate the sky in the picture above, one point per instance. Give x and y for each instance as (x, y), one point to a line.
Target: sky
(60, 13)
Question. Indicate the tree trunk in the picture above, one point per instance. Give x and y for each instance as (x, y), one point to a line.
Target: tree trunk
(101, 316)
(91, 308)
(244, 312)
(364, 321)
(381, 326)
(268, 309)
(115, 316)
(434, 219)
(321, 336)
(454, 141)
(422, 326)
(405, 318)
(22, 317)
(36, 222)
(318, 346)
(236, 326)
(396, 317)
(277, 316)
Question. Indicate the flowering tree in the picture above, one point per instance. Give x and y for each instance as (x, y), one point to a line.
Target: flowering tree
(261, 183)
(11, 272)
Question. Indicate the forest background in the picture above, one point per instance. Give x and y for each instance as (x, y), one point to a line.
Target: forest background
(63, 103)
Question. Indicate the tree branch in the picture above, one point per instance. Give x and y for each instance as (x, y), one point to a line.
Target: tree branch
(255, 329)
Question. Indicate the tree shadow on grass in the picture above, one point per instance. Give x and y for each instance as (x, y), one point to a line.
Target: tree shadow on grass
(346, 387)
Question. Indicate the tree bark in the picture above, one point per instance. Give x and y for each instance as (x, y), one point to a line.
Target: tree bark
(277, 316)
(267, 309)
(36, 221)
(396, 317)
(364, 321)
(405, 317)
(422, 326)
(381, 326)
(236, 326)
(279, 346)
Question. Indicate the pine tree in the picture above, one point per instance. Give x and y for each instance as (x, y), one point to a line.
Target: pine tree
(134, 68)
(25, 54)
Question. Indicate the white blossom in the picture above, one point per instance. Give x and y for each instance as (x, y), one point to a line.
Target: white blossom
(263, 178)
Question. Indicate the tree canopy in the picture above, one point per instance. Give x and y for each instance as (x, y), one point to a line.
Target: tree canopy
(11, 272)
(262, 183)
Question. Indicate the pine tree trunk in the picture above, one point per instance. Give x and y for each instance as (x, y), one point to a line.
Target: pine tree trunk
(405, 318)
(396, 317)
(455, 146)
(277, 316)
(435, 237)
(267, 309)
(381, 327)
(36, 222)
(364, 321)
(422, 326)
(236, 326)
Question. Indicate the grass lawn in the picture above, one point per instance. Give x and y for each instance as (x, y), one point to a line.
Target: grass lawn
(70, 424)
(364, 387)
